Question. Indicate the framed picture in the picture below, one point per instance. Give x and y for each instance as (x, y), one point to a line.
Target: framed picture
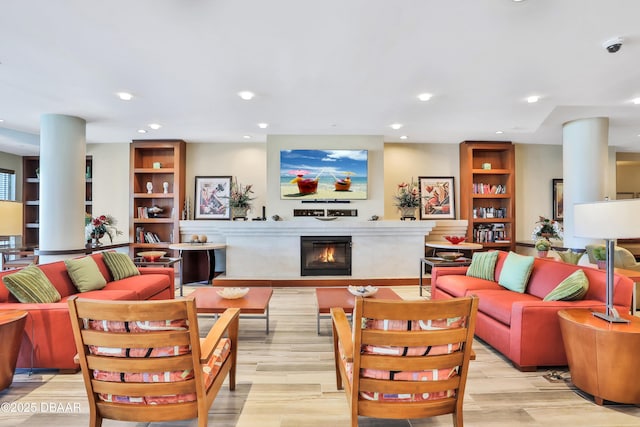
(558, 200)
(437, 197)
(212, 197)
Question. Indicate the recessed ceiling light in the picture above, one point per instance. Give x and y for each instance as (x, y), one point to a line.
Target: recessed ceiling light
(636, 101)
(142, 131)
(404, 137)
(155, 126)
(263, 125)
(125, 96)
(246, 95)
(424, 96)
(247, 137)
(533, 98)
(499, 132)
(1, 120)
(395, 126)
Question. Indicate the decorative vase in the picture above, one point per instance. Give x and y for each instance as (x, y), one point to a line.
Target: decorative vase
(602, 264)
(407, 213)
(239, 212)
(542, 254)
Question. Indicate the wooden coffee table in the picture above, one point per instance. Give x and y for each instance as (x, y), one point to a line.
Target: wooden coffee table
(255, 302)
(342, 298)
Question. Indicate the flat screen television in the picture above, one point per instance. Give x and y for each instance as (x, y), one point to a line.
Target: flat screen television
(323, 174)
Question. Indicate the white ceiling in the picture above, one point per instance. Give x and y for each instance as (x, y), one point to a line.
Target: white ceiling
(319, 67)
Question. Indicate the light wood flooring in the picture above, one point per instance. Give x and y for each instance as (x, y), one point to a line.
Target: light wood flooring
(287, 379)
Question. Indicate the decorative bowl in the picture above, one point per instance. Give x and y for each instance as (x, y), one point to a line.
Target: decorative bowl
(450, 256)
(232, 293)
(455, 239)
(363, 291)
(151, 256)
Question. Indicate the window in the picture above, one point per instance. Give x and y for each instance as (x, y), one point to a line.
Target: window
(7, 184)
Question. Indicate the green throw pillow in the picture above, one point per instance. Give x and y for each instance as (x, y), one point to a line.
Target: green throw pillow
(31, 285)
(120, 265)
(515, 272)
(574, 287)
(85, 274)
(483, 265)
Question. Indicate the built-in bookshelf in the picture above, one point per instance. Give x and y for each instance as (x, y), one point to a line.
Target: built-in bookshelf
(157, 188)
(31, 197)
(487, 192)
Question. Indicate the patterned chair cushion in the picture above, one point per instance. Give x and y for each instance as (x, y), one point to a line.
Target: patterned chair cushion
(210, 370)
(428, 375)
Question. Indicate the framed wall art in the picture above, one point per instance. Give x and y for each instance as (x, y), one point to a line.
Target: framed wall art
(558, 200)
(212, 197)
(437, 197)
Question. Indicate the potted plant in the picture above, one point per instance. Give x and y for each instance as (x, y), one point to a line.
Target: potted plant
(407, 199)
(600, 254)
(240, 199)
(542, 246)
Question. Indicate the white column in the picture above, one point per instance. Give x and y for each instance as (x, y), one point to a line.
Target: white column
(62, 186)
(585, 168)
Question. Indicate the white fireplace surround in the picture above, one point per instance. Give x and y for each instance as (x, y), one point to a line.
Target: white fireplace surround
(271, 249)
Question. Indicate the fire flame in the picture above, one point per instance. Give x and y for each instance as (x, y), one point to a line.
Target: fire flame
(327, 254)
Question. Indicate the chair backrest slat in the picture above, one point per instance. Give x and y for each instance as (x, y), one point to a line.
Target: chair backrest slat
(141, 360)
(410, 358)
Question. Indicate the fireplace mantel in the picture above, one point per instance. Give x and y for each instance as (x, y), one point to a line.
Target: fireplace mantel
(270, 249)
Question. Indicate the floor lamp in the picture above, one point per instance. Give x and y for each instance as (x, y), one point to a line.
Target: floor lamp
(10, 218)
(609, 220)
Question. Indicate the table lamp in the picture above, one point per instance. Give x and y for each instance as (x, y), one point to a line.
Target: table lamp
(608, 220)
(10, 218)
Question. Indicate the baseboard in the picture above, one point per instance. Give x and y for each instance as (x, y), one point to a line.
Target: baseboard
(317, 282)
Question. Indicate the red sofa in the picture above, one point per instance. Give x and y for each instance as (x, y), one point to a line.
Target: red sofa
(523, 327)
(48, 340)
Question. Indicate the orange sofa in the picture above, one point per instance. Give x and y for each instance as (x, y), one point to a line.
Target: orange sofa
(522, 326)
(48, 340)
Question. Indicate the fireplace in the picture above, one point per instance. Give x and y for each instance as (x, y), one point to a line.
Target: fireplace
(325, 255)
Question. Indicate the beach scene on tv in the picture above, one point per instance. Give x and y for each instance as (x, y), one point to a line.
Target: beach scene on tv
(323, 174)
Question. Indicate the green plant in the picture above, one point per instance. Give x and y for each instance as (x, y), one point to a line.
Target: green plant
(542, 245)
(600, 253)
(547, 228)
(240, 195)
(407, 195)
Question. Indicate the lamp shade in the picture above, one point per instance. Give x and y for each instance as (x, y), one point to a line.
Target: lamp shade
(615, 219)
(10, 218)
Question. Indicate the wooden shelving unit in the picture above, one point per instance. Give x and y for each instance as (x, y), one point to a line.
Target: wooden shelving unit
(487, 193)
(156, 162)
(31, 197)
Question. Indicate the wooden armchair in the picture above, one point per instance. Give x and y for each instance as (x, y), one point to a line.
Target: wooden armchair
(404, 359)
(143, 361)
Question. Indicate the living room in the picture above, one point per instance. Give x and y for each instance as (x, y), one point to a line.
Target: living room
(335, 75)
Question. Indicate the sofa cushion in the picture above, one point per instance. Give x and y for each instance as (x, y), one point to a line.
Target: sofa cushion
(515, 272)
(498, 304)
(85, 274)
(120, 265)
(31, 285)
(145, 286)
(108, 295)
(572, 288)
(483, 265)
(458, 285)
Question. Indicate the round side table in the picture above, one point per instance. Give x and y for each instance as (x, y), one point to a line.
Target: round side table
(193, 254)
(11, 329)
(602, 356)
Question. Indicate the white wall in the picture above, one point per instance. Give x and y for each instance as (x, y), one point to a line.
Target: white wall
(110, 184)
(403, 162)
(246, 162)
(536, 166)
